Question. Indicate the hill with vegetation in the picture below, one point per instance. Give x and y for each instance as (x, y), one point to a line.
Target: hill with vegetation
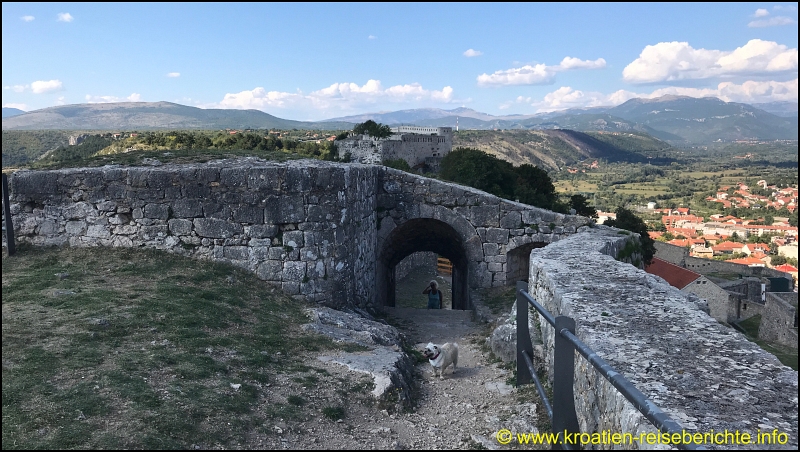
(152, 115)
(553, 149)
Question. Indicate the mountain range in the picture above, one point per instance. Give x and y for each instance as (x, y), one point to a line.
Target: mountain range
(679, 120)
(152, 115)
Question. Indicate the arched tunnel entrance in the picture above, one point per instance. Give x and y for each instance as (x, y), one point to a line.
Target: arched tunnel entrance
(518, 262)
(423, 234)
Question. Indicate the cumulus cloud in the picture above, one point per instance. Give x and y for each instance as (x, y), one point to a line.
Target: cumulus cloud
(372, 37)
(65, 17)
(469, 53)
(173, 74)
(539, 74)
(28, 18)
(776, 21)
(339, 97)
(761, 12)
(22, 107)
(41, 86)
(674, 61)
(750, 91)
(134, 97)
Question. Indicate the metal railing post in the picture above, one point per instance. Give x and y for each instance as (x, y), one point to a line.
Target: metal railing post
(524, 344)
(565, 421)
(12, 248)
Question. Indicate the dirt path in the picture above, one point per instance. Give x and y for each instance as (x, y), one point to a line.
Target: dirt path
(467, 408)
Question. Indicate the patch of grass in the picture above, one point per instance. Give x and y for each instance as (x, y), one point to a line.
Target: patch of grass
(500, 299)
(786, 355)
(333, 413)
(140, 348)
(296, 400)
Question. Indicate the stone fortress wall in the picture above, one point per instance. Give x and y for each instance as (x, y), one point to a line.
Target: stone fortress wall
(705, 375)
(309, 226)
(306, 228)
(415, 145)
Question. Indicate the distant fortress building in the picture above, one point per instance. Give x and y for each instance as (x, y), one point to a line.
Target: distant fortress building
(422, 147)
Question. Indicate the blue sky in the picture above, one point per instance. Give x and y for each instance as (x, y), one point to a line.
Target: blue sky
(318, 61)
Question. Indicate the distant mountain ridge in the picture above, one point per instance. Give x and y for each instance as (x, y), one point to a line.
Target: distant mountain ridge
(677, 119)
(9, 112)
(152, 115)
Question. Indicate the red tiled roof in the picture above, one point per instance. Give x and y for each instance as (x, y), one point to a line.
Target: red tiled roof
(676, 276)
(786, 268)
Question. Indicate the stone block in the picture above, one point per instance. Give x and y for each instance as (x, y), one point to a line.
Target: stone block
(241, 253)
(187, 208)
(490, 249)
(98, 231)
(216, 229)
(180, 226)
(291, 288)
(75, 227)
(293, 239)
(248, 214)
(48, 227)
(294, 271)
(496, 235)
(156, 211)
(160, 179)
(284, 209)
(194, 190)
(270, 270)
(233, 177)
(153, 232)
(263, 231)
(495, 267)
(107, 206)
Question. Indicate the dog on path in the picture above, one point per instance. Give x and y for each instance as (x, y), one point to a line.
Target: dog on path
(441, 356)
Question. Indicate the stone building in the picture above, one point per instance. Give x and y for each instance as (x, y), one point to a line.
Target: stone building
(422, 147)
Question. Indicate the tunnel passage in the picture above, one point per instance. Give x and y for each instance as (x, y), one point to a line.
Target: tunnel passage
(518, 262)
(423, 234)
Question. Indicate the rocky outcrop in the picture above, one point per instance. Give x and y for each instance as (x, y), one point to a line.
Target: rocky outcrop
(391, 369)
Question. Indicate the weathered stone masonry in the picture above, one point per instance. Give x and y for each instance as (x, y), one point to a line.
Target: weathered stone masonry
(705, 375)
(304, 228)
(328, 232)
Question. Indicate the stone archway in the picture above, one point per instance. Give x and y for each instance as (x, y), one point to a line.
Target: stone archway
(423, 234)
(518, 262)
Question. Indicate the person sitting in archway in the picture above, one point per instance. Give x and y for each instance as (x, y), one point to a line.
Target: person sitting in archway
(434, 295)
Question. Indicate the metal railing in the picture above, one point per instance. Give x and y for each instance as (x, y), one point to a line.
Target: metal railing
(562, 410)
(8, 226)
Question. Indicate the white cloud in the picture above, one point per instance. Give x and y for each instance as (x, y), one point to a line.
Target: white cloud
(22, 107)
(173, 74)
(539, 74)
(134, 97)
(61, 100)
(65, 17)
(785, 7)
(772, 22)
(372, 37)
(761, 12)
(337, 98)
(17, 88)
(469, 53)
(747, 92)
(27, 18)
(673, 61)
(41, 86)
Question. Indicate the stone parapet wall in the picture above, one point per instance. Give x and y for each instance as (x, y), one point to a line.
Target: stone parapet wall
(705, 375)
(778, 322)
(306, 226)
(423, 259)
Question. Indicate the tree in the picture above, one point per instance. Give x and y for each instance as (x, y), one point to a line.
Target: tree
(626, 219)
(372, 129)
(581, 206)
(777, 260)
(534, 186)
(479, 170)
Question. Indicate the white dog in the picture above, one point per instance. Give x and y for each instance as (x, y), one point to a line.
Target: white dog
(441, 356)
